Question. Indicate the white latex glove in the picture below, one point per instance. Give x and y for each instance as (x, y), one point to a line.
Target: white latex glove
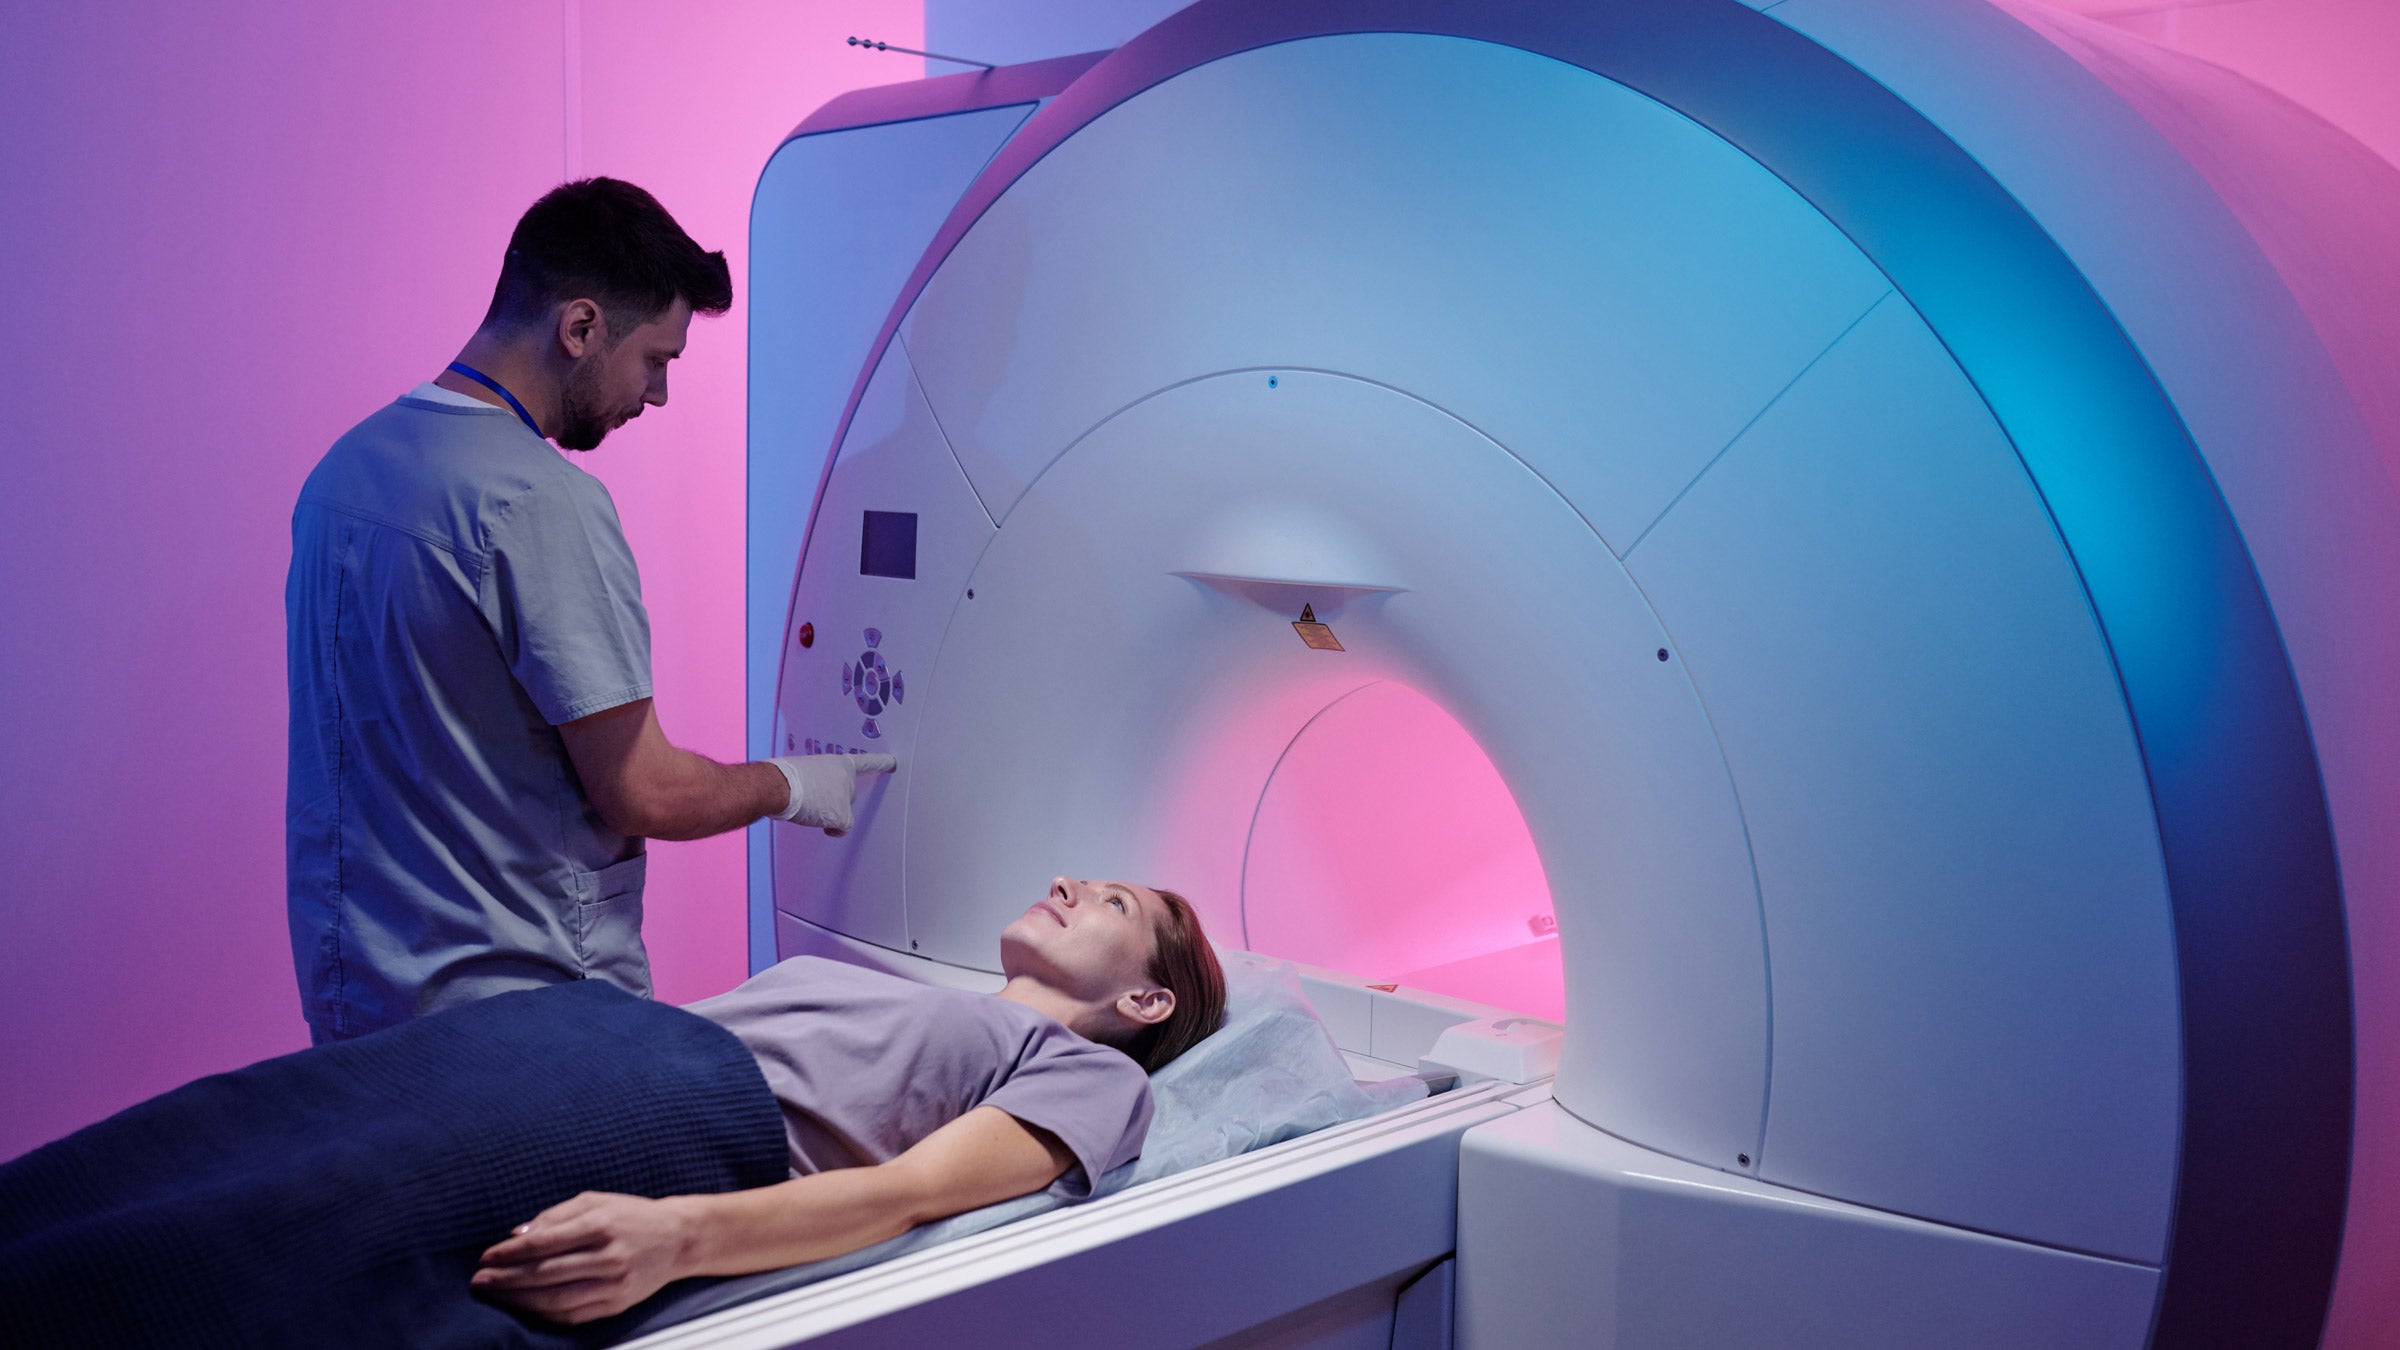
(823, 786)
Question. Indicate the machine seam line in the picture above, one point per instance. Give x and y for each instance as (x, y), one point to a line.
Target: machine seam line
(1758, 898)
(925, 395)
(1765, 408)
(2000, 1234)
(1031, 107)
(1758, 892)
(1242, 886)
(941, 646)
(1329, 372)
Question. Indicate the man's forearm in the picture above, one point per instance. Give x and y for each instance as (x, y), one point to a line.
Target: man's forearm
(699, 797)
(643, 784)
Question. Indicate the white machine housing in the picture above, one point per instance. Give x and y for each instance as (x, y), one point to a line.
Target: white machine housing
(1893, 526)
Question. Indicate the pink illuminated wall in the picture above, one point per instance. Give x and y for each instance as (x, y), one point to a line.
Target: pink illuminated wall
(232, 230)
(689, 101)
(2337, 58)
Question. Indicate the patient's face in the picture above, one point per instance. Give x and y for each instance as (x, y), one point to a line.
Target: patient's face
(1091, 938)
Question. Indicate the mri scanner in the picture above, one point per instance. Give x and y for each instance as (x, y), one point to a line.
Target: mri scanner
(1844, 551)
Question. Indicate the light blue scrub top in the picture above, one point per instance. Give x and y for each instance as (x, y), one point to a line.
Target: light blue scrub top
(458, 589)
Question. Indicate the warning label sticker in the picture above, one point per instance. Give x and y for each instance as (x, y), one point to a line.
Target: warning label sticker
(1315, 634)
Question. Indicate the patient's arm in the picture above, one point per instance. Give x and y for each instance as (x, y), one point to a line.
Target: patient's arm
(599, 1254)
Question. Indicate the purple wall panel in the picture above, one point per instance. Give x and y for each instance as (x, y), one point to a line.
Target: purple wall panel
(234, 230)
(2334, 57)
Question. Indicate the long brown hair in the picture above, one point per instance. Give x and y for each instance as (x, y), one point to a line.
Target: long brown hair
(1180, 960)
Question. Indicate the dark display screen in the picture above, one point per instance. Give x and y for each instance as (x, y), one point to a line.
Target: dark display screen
(887, 545)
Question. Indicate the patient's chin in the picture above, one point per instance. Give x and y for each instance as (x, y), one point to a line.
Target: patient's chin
(1017, 947)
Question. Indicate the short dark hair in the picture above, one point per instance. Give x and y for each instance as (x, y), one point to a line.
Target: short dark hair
(1180, 960)
(604, 240)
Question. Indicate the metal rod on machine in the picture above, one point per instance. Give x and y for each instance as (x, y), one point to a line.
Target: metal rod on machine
(873, 45)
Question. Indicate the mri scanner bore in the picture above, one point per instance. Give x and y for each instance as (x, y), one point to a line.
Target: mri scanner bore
(1388, 845)
(1841, 521)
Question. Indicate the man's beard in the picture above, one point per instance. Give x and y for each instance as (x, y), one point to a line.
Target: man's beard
(586, 424)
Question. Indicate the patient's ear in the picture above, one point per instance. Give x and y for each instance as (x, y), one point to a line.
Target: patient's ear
(1146, 1007)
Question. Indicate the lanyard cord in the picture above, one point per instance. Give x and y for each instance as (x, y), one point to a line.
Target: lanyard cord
(494, 385)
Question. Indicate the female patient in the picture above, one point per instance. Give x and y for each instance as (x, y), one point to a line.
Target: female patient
(352, 1193)
(905, 1103)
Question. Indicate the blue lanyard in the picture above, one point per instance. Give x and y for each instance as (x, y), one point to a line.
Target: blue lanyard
(494, 385)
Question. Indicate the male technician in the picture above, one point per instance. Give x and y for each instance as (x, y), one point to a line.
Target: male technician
(475, 761)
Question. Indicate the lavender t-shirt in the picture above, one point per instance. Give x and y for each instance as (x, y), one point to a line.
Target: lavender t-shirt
(866, 1064)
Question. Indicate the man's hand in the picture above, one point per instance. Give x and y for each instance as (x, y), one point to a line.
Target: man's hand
(591, 1257)
(825, 786)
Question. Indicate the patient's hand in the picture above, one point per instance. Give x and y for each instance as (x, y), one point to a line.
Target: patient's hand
(593, 1256)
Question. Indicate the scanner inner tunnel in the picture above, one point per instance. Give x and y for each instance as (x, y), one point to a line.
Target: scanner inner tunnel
(1387, 845)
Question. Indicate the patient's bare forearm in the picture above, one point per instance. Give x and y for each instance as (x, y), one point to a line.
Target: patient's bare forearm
(981, 1158)
(805, 1219)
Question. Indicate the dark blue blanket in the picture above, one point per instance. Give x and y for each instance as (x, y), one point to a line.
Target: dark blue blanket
(340, 1196)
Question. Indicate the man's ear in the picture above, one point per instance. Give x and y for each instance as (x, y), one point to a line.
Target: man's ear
(1146, 1007)
(581, 328)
